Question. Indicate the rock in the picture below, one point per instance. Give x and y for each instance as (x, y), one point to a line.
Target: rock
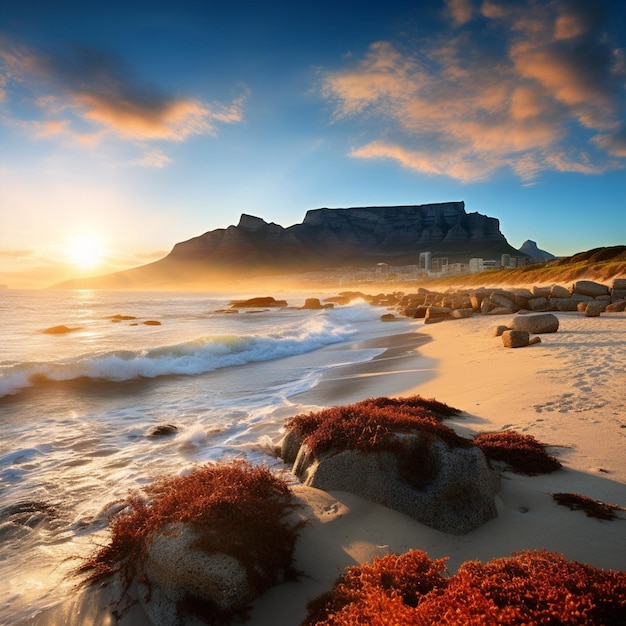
(458, 314)
(312, 303)
(515, 338)
(121, 318)
(536, 324)
(538, 304)
(564, 304)
(261, 301)
(388, 317)
(533, 340)
(557, 291)
(162, 430)
(174, 563)
(58, 330)
(619, 284)
(616, 307)
(541, 292)
(590, 288)
(581, 307)
(503, 299)
(500, 310)
(457, 497)
(437, 314)
(498, 330)
(593, 309)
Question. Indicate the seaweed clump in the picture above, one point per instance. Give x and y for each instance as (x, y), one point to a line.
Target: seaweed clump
(522, 453)
(373, 424)
(593, 508)
(234, 508)
(531, 587)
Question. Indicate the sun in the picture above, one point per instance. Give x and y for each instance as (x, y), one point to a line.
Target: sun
(86, 251)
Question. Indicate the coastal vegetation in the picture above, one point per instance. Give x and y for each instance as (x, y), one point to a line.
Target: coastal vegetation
(369, 425)
(521, 453)
(234, 508)
(592, 508)
(531, 587)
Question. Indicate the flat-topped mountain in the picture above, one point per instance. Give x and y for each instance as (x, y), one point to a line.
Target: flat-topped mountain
(327, 238)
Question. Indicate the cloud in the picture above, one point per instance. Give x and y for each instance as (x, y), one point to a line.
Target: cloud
(514, 85)
(16, 254)
(460, 10)
(154, 157)
(86, 85)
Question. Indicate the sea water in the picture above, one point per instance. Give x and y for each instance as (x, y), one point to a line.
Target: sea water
(77, 408)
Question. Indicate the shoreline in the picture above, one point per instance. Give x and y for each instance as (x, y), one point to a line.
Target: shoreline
(566, 391)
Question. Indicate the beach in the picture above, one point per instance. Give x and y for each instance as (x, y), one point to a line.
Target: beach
(567, 391)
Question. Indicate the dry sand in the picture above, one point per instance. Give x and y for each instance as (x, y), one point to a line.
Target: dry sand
(568, 391)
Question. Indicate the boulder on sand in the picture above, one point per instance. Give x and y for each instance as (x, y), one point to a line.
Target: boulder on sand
(535, 324)
(382, 450)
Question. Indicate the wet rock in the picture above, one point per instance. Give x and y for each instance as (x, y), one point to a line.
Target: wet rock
(261, 301)
(388, 317)
(58, 330)
(163, 430)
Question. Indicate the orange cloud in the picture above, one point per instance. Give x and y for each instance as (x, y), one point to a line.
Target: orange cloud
(101, 90)
(457, 107)
(460, 10)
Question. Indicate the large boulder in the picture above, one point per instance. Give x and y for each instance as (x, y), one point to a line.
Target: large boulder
(593, 309)
(174, 563)
(448, 488)
(535, 324)
(437, 314)
(590, 288)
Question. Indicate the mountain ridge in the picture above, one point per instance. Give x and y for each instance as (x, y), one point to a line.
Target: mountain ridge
(326, 238)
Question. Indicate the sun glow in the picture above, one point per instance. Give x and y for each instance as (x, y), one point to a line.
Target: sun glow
(86, 251)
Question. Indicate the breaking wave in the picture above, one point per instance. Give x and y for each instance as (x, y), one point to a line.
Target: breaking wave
(199, 356)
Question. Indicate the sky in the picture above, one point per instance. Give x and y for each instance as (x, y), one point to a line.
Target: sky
(126, 127)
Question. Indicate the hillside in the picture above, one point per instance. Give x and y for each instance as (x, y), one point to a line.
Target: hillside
(599, 264)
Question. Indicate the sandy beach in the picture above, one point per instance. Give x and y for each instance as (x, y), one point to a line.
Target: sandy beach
(567, 391)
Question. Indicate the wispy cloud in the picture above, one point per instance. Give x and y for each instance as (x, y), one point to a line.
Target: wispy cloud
(86, 85)
(512, 84)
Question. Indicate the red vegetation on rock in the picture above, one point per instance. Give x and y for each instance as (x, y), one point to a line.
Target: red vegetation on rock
(235, 508)
(370, 424)
(523, 453)
(532, 587)
(593, 508)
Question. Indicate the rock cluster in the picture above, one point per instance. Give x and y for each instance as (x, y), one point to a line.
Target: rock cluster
(586, 296)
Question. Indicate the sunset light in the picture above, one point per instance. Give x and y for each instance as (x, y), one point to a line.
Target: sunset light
(86, 251)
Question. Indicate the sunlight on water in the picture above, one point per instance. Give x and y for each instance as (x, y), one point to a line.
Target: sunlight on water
(78, 408)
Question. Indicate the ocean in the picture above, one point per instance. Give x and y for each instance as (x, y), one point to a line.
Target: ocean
(77, 408)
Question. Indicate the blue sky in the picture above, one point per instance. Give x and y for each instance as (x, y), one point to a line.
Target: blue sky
(126, 127)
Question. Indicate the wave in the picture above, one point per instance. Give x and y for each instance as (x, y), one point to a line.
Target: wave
(199, 356)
